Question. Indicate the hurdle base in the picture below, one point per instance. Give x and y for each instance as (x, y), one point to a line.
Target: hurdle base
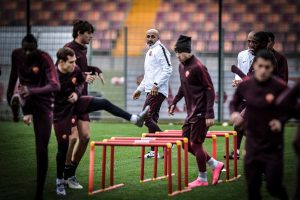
(106, 189)
(234, 178)
(155, 179)
(186, 189)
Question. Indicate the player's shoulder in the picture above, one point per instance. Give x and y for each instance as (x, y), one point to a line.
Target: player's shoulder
(244, 52)
(279, 82)
(17, 52)
(69, 44)
(161, 48)
(246, 81)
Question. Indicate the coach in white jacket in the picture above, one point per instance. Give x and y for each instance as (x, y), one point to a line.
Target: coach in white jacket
(158, 70)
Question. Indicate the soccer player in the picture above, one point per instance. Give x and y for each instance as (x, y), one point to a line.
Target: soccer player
(256, 42)
(244, 62)
(198, 91)
(82, 34)
(70, 102)
(158, 70)
(264, 144)
(289, 102)
(283, 70)
(38, 81)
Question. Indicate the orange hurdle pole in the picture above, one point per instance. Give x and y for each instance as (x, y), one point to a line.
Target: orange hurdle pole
(214, 146)
(235, 154)
(91, 168)
(112, 158)
(103, 167)
(165, 161)
(169, 156)
(186, 162)
(155, 164)
(142, 164)
(227, 155)
(178, 143)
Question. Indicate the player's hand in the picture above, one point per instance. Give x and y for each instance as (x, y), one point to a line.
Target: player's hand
(275, 125)
(24, 92)
(154, 90)
(236, 118)
(235, 83)
(209, 122)
(73, 97)
(27, 119)
(136, 95)
(171, 109)
(89, 77)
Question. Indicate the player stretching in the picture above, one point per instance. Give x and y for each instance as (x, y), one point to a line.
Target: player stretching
(69, 101)
(158, 70)
(83, 35)
(38, 81)
(198, 92)
(289, 102)
(264, 144)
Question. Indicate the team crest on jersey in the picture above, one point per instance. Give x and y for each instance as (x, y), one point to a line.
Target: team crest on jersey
(270, 97)
(74, 80)
(150, 53)
(187, 73)
(35, 69)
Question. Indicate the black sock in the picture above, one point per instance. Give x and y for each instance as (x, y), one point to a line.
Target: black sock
(67, 171)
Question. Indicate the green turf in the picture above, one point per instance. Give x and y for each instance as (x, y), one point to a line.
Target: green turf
(17, 174)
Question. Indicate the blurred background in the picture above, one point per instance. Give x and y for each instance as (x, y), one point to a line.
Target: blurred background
(119, 47)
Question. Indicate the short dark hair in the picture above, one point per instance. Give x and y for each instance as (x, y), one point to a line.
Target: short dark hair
(63, 53)
(271, 36)
(262, 38)
(81, 27)
(267, 55)
(29, 38)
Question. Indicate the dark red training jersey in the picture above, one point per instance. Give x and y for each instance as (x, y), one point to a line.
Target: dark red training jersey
(81, 53)
(37, 72)
(196, 88)
(261, 109)
(282, 66)
(70, 82)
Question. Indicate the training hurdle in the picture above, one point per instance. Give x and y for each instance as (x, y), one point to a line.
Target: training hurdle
(132, 143)
(225, 134)
(172, 140)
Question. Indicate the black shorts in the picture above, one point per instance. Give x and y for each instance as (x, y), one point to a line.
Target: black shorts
(195, 130)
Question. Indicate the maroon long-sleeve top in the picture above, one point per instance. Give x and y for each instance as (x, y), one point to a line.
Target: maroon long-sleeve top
(37, 72)
(282, 66)
(281, 70)
(196, 88)
(261, 109)
(289, 102)
(81, 61)
(70, 82)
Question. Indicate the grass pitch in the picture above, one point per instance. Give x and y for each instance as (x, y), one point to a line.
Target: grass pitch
(17, 167)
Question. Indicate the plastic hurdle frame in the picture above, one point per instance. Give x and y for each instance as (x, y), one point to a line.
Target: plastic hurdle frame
(224, 134)
(132, 143)
(172, 140)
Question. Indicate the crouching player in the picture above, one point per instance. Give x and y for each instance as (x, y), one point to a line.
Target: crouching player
(264, 132)
(289, 101)
(198, 92)
(70, 103)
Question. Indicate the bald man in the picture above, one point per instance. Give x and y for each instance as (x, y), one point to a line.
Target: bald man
(158, 70)
(244, 62)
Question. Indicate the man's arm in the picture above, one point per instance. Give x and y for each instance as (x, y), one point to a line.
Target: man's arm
(177, 98)
(164, 61)
(13, 77)
(52, 83)
(80, 83)
(283, 70)
(204, 76)
(141, 86)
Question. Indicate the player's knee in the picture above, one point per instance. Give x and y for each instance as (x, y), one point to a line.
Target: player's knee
(85, 138)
